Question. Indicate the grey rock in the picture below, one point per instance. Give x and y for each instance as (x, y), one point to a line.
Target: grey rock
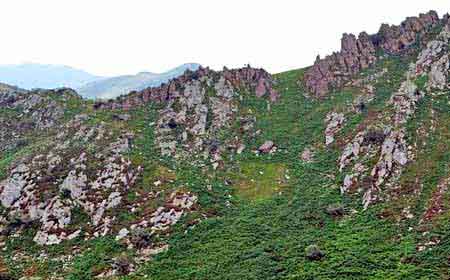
(10, 189)
(314, 253)
(335, 210)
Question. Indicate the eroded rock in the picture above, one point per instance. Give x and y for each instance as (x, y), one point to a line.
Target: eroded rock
(335, 70)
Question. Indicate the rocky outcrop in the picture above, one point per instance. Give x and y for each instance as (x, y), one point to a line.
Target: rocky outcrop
(434, 61)
(30, 111)
(394, 39)
(198, 106)
(254, 80)
(356, 54)
(359, 53)
(23, 113)
(83, 168)
(47, 187)
(84, 172)
(168, 215)
(388, 141)
(405, 100)
(307, 156)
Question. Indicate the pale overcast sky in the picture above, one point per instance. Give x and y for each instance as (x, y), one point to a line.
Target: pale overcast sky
(114, 37)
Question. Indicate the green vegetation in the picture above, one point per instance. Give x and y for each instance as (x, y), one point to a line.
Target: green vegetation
(94, 260)
(258, 180)
(266, 238)
(263, 214)
(421, 82)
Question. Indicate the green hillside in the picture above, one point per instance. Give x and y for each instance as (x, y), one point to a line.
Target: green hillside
(175, 182)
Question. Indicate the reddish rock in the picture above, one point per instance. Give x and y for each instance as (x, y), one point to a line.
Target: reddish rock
(261, 88)
(334, 70)
(266, 147)
(357, 54)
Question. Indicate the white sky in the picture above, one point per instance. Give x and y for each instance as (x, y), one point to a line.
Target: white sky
(114, 37)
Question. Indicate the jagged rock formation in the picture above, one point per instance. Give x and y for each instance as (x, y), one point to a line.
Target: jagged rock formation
(359, 53)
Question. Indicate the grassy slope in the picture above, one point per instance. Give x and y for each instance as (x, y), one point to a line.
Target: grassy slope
(265, 230)
(266, 238)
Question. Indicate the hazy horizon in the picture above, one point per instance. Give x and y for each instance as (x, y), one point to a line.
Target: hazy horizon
(108, 38)
(31, 63)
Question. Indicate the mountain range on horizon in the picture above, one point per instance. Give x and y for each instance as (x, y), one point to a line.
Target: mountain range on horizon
(119, 85)
(47, 76)
(35, 75)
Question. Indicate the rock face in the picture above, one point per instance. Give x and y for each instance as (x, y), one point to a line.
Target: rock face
(388, 140)
(359, 53)
(334, 70)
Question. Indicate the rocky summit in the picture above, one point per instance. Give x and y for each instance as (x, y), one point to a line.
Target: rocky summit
(340, 170)
(359, 53)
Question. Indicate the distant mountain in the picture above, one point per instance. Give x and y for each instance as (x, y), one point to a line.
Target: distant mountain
(115, 86)
(32, 75)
